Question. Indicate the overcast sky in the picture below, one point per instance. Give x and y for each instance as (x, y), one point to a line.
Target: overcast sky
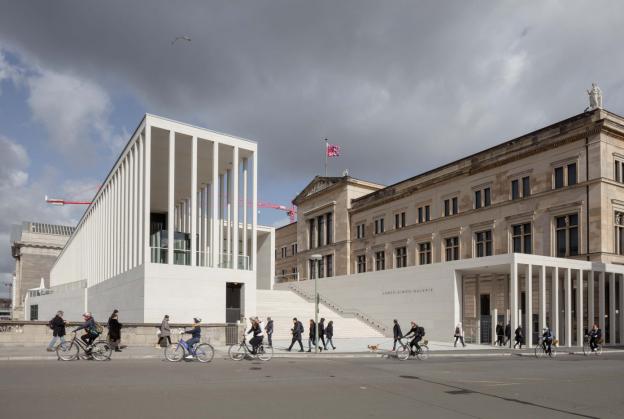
(401, 86)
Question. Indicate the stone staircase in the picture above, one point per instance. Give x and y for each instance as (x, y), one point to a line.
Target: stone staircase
(283, 305)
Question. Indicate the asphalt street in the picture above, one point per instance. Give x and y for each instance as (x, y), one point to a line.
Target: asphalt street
(494, 387)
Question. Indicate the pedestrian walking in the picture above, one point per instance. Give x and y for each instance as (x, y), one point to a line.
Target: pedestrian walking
(329, 334)
(321, 332)
(519, 337)
(57, 324)
(508, 334)
(500, 334)
(114, 331)
(297, 332)
(164, 333)
(459, 335)
(312, 336)
(397, 333)
(269, 330)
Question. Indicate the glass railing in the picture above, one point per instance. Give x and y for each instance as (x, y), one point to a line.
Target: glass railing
(203, 258)
(181, 257)
(159, 254)
(243, 262)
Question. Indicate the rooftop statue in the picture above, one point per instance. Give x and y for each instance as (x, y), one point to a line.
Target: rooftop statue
(595, 98)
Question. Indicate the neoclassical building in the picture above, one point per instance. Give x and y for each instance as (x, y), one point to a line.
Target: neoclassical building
(555, 192)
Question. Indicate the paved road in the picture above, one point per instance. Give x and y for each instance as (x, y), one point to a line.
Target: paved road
(516, 387)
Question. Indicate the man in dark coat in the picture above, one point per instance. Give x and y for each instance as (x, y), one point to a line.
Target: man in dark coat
(508, 334)
(499, 334)
(57, 324)
(297, 331)
(114, 331)
(397, 333)
(269, 330)
(312, 336)
(321, 331)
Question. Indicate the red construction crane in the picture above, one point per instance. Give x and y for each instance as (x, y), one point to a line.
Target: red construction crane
(291, 211)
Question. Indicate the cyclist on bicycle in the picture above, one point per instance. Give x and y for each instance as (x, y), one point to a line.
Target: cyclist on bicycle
(258, 334)
(90, 327)
(595, 334)
(195, 333)
(547, 340)
(417, 332)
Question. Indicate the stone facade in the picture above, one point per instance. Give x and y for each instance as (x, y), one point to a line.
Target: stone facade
(556, 191)
(35, 247)
(286, 253)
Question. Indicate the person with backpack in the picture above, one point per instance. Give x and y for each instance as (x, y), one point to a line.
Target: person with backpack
(91, 328)
(418, 332)
(114, 331)
(57, 324)
(459, 335)
(297, 332)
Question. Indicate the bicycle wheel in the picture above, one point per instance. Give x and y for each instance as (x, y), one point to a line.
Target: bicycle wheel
(174, 352)
(204, 352)
(423, 353)
(539, 351)
(586, 349)
(67, 351)
(265, 353)
(553, 351)
(237, 352)
(402, 352)
(101, 351)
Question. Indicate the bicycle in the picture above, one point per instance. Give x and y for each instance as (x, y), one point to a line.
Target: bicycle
(70, 350)
(541, 351)
(203, 352)
(587, 349)
(242, 350)
(403, 351)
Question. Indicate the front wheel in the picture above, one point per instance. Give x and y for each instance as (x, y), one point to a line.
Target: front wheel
(236, 352)
(402, 352)
(423, 353)
(174, 352)
(265, 353)
(204, 352)
(101, 351)
(67, 351)
(539, 351)
(553, 351)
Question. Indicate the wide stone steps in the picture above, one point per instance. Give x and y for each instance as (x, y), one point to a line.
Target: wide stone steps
(282, 306)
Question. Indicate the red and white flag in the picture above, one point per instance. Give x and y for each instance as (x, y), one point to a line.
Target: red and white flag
(333, 150)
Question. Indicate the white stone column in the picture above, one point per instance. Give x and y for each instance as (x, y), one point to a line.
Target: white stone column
(235, 198)
(568, 306)
(147, 180)
(221, 225)
(245, 212)
(228, 213)
(133, 212)
(194, 201)
(621, 309)
(513, 293)
(117, 226)
(140, 200)
(580, 331)
(170, 198)
(590, 299)
(601, 302)
(612, 315)
(254, 215)
(542, 297)
(214, 234)
(528, 325)
(554, 327)
(493, 323)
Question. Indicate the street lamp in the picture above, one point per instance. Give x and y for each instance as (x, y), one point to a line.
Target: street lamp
(316, 258)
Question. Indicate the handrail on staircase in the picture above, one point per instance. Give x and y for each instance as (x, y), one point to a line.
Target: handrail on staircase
(376, 324)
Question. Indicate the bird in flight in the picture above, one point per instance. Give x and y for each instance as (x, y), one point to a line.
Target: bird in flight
(181, 38)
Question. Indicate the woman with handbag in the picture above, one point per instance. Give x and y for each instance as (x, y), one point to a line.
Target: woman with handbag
(114, 331)
(164, 332)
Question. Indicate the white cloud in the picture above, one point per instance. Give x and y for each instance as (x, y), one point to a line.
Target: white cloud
(13, 163)
(10, 72)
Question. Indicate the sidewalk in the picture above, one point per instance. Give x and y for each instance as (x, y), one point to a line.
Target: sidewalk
(345, 348)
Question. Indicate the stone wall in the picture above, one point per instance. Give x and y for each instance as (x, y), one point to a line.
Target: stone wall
(22, 333)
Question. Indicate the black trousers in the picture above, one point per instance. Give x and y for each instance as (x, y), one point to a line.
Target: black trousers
(323, 340)
(88, 338)
(255, 342)
(270, 338)
(461, 339)
(162, 338)
(394, 343)
(296, 339)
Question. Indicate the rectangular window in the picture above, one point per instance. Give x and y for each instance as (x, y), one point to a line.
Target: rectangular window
(379, 225)
(284, 252)
(321, 267)
(320, 231)
(330, 228)
(380, 260)
(359, 231)
(311, 233)
(424, 253)
(451, 206)
(559, 177)
(421, 217)
(526, 186)
(401, 257)
(515, 189)
(293, 248)
(451, 247)
(455, 206)
(617, 171)
(483, 243)
(447, 207)
(329, 265)
(427, 213)
(572, 174)
(477, 199)
(34, 312)
(424, 214)
(566, 235)
(487, 197)
(619, 233)
(361, 264)
(521, 238)
(399, 220)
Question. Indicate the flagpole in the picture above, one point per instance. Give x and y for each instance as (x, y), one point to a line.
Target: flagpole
(326, 145)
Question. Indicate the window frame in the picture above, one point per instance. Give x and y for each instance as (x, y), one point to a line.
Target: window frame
(567, 234)
(482, 241)
(454, 249)
(425, 253)
(380, 263)
(400, 257)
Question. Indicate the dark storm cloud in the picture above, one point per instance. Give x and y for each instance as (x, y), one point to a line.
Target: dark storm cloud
(401, 85)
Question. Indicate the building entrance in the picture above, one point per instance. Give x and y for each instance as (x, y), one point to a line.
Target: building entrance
(233, 302)
(486, 319)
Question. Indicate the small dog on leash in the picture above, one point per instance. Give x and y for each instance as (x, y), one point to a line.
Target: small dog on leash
(373, 348)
